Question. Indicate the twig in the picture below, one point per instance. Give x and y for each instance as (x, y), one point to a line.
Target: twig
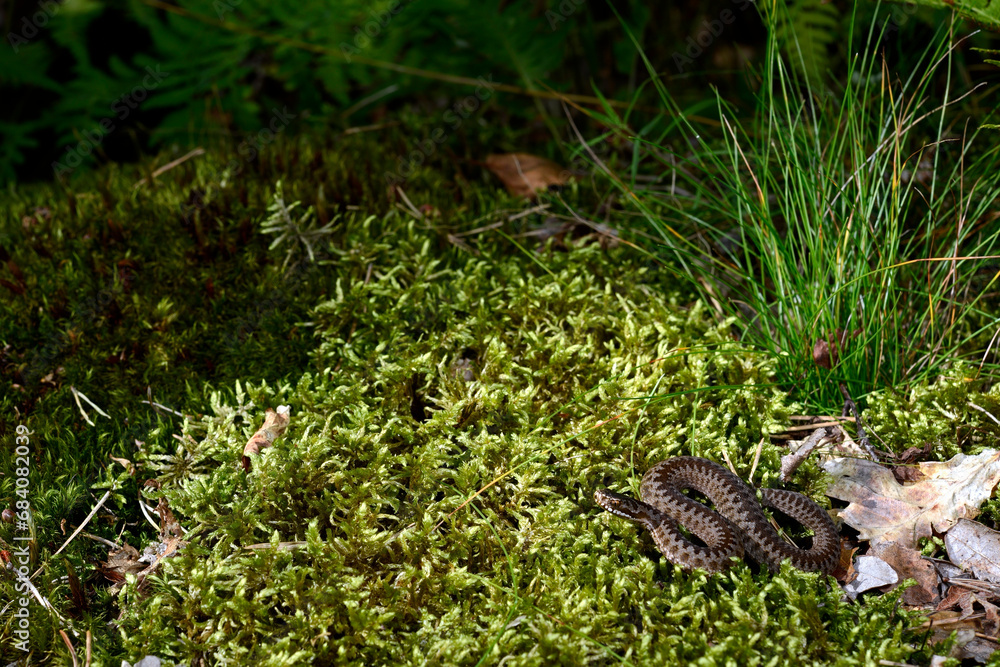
(930, 623)
(974, 585)
(100, 503)
(412, 209)
(98, 538)
(69, 645)
(813, 427)
(849, 405)
(163, 407)
(484, 228)
(170, 165)
(806, 418)
(756, 457)
(183, 439)
(92, 404)
(83, 412)
(370, 128)
(34, 591)
(983, 410)
(77, 396)
(729, 463)
(286, 546)
(988, 348)
(145, 512)
(523, 214)
(791, 462)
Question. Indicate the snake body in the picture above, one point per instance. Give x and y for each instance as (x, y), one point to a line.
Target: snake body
(739, 527)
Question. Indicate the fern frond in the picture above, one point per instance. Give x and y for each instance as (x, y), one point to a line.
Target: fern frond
(805, 29)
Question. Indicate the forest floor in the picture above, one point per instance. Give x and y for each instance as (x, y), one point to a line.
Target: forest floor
(455, 396)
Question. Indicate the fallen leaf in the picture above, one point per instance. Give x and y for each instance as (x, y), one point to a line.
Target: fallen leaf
(947, 570)
(914, 454)
(155, 552)
(826, 351)
(128, 465)
(845, 567)
(978, 644)
(275, 424)
(822, 353)
(883, 510)
(957, 597)
(523, 174)
(872, 572)
(76, 590)
(904, 474)
(168, 524)
(125, 561)
(991, 623)
(147, 661)
(119, 563)
(973, 546)
(909, 564)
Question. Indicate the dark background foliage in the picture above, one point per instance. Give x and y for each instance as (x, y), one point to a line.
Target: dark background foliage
(89, 81)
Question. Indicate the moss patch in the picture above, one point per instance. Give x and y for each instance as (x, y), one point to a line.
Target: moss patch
(452, 414)
(440, 469)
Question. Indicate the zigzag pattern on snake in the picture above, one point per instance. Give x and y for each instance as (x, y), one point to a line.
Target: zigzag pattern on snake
(739, 525)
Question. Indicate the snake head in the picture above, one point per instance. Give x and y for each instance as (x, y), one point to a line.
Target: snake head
(619, 505)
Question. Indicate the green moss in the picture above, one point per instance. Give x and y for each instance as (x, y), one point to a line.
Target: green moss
(447, 506)
(452, 414)
(940, 415)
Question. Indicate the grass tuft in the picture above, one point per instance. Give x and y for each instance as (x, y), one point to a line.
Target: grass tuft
(856, 216)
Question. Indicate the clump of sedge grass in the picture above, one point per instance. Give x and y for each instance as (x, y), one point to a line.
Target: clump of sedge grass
(847, 229)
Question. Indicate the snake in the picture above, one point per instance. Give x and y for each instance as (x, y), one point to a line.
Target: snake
(738, 527)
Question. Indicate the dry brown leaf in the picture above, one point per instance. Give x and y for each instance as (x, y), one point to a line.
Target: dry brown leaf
(947, 570)
(882, 510)
(909, 564)
(125, 561)
(957, 597)
(523, 174)
(826, 351)
(822, 353)
(914, 454)
(155, 552)
(845, 571)
(905, 474)
(128, 465)
(121, 562)
(168, 523)
(990, 624)
(986, 622)
(275, 424)
(973, 546)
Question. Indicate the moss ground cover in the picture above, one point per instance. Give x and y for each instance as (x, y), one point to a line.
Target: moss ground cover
(453, 411)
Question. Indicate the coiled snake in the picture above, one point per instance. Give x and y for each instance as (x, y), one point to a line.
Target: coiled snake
(740, 526)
